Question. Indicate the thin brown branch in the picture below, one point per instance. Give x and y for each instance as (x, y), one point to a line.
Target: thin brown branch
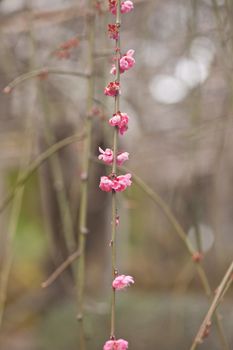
(71, 258)
(204, 329)
(42, 73)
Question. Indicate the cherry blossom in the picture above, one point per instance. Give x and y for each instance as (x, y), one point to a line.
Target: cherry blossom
(122, 157)
(126, 6)
(121, 121)
(107, 156)
(116, 183)
(121, 182)
(112, 89)
(119, 344)
(126, 62)
(105, 184)
(122, 281)
(113, 31)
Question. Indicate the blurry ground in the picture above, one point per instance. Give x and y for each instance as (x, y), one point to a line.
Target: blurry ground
(146, 320)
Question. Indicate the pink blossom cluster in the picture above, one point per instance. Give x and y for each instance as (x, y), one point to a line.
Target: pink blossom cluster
(122, 281)
(126, 62)
(120, 120)
(112, 89)
(119, 344)
(115, 183)
(107, 156)
(113, 31)
(126, 6)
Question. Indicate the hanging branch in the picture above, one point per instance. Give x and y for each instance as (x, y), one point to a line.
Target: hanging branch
(82, 229)
(206, 324)
(114, 183)
(42, 73)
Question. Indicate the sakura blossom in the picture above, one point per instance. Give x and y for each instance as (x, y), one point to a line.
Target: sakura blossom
(126, 62)
(116, 183)
(121, 182)
(107, 156)
(112, 89)
(113, 31)
(121, 121)
(122, 281)
(119, 344)
(105, 184)
(126, 6)
(122, 157)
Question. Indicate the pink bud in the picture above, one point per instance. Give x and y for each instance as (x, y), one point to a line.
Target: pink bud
(126, 62)
(119, 344)
(122, 281)
(112, 89)
(121, 121)
(126, 6)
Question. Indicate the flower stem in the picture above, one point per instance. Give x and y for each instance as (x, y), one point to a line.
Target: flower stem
(114, 168)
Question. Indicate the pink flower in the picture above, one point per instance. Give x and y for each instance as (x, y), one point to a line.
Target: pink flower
(122, 157)
(119, 344)
(122, 281)
(106, 156)
(122, 182)
(126, 62)
(121, 121)
(113, 31)
(112, 89)
(116, 183)
(126, 6)
(105, 184)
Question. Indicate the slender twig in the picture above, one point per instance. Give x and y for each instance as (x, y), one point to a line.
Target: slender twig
(71, 258)
(43, 72)
(216, 301)
(82, 229)
(58, 177)
(36, 163)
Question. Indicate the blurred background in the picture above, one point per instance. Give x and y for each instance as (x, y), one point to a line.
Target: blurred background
(179, 97)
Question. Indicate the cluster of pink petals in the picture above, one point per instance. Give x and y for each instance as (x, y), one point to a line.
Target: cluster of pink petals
(107, 156)
(126, 62)
(126, 6)
(121, 121)
(119, 344)
(112, 89)
(116, 183)
(113, 31)
(122, 281)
